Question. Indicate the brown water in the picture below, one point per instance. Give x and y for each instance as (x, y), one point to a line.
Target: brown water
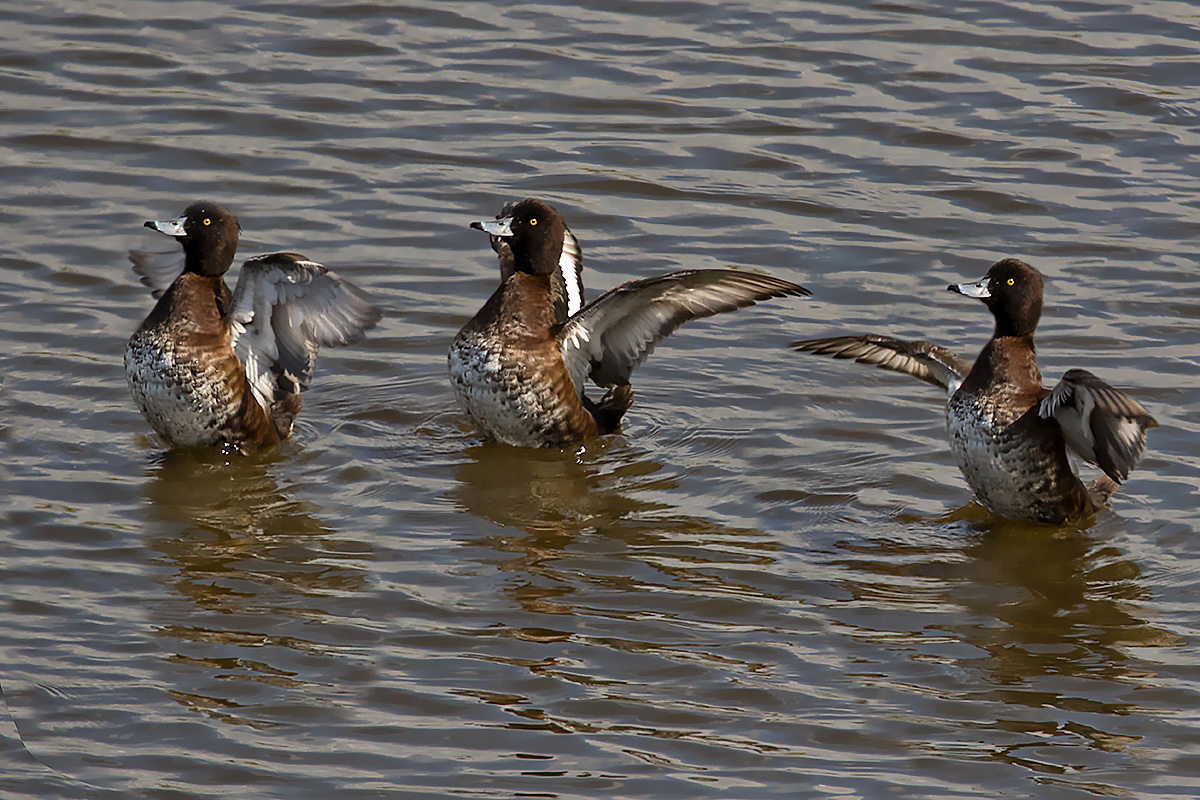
(768, 585)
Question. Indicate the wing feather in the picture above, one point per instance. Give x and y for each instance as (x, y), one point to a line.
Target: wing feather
(923, 360)
(157, 270)
(1103, 425)
(608, 338)
(284, 309)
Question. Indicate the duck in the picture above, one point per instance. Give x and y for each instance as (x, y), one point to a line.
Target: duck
(213, 368)
(519, 367)
(1009, 434)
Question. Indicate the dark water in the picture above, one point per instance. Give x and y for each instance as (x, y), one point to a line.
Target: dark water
(769, 585)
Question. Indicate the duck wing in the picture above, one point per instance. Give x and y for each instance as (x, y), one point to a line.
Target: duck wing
(1103, 425)
(923, 360)
(157, 270)
(284, 308)
(615, 333)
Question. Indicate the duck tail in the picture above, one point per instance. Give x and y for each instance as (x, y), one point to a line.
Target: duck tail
(611, 408)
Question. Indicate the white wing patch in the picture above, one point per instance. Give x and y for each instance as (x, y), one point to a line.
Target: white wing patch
(571, 264)
(925, 361)
(614, 333)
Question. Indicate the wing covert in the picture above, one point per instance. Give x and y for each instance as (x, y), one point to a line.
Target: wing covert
(1103, 425)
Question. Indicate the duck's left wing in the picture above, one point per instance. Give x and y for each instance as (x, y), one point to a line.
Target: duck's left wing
(615, 333)
(925, 361)
(284, 308)
(1103, 425)
(157, 270)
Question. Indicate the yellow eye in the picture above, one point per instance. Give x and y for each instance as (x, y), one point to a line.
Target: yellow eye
(533, 221)
(1010, 280)
(208, 221)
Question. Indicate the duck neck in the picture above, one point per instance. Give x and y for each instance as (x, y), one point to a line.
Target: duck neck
(211, 261)
(1007, 360)
(539, 259)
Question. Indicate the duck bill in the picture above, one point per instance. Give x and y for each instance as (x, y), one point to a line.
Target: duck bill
(172, 227)
(496, 227)
(978, 289)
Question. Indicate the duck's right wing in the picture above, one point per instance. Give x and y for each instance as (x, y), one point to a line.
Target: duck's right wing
(923, 360)
(613, 334)
(1103, 425)
(157, 270)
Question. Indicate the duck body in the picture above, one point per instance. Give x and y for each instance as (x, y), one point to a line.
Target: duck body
(210, 367)
(518, 368)
(1009, 435)
(508, 373)
(1013, 459)
(184, 375)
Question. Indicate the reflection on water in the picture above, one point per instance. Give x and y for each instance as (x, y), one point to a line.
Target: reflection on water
(584, 548)
(257, 561)
(239, 543)
(1047, 615)
(752, 594)
(553, 497)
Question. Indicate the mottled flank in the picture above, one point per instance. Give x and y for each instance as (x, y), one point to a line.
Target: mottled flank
(508, 374)
(183, 375)
(1014, 460)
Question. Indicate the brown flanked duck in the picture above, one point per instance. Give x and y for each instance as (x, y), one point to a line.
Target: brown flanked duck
(1009, 434)
(210, 367)
(520, 366)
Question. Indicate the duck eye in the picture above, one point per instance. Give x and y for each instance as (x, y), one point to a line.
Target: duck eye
(1011, 281)
(208, 221)
(533, 221)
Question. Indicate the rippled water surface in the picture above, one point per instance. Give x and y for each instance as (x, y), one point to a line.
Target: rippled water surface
(772, 584)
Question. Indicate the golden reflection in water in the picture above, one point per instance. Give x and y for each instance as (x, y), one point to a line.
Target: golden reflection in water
(553, 496)
(1048, 609)
(252, 560)
(226, 520)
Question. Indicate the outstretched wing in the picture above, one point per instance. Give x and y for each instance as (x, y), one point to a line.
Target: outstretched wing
(157, 270)
(284, 308)
(924, 360)
(1103, 425)
(613, 334)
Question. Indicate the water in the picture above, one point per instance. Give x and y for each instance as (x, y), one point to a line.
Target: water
(772, 584)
